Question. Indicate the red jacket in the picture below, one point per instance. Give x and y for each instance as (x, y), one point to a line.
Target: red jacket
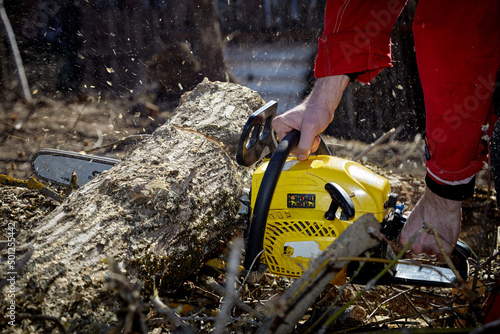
(457, 44)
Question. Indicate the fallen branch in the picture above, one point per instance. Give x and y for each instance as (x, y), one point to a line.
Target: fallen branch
(421, 316)
(289, 309)
(219, 290)
(368, 286)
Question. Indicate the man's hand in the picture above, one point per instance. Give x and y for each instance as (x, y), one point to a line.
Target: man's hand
(313, 115)
(433, 212)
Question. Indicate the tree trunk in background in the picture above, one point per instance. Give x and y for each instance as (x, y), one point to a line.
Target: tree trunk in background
(184, 61)
(169, 205)
(207, 42)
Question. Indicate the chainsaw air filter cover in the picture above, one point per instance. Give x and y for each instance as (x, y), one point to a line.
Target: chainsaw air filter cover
(296, 228)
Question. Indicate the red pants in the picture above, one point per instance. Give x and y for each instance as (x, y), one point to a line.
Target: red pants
(457, 45)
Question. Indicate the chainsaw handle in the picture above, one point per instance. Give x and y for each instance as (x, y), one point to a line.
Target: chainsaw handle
(265, 195)
(339, 198)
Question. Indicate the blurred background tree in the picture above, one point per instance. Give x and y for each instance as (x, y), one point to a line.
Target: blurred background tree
(161, 49)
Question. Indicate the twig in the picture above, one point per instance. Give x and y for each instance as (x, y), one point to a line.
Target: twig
(375, 143)
(491, 258)
(30, 183)
(249, 271)
(204, 319)
(484, 222)
(388, 300)
(450, 264)
(332, 307)
(78, 118)
(134, 317)
(417, 311)
(23, 81)
(17, 56)
(370, 283)
(171, 317)
(219, 290)
(409, 316)
(20, 124)
(230, 294)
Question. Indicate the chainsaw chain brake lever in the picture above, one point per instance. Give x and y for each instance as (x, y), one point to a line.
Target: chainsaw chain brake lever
(339, 198)
(258, 139)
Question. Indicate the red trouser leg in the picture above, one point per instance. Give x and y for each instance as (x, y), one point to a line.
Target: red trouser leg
(458, 54)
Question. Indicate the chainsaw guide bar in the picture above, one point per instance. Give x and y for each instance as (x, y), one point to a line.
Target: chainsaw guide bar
(57, 166)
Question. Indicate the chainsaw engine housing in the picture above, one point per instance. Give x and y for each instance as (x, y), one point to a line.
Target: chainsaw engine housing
(296, 229)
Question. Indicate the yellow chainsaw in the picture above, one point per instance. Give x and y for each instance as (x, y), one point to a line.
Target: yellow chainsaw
(296, 209)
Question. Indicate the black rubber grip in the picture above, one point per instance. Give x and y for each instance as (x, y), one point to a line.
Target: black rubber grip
(264, 196)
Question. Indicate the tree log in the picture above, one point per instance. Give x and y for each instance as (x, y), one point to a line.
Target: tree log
(170, 204)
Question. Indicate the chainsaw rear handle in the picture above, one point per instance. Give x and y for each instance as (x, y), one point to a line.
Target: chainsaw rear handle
(265, 195)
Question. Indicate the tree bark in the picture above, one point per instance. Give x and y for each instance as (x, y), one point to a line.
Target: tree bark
(160, 213)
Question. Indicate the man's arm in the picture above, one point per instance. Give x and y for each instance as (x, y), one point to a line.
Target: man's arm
(356, 39)
(313, 115)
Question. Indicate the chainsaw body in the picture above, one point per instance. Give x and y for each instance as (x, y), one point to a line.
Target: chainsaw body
(298, 208)
(297, 227)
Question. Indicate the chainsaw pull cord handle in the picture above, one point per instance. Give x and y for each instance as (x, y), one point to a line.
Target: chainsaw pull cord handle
(265, 195)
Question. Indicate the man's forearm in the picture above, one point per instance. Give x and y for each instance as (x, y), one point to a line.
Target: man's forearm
(327, 92)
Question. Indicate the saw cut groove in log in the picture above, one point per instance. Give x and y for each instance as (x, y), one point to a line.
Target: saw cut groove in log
(159, 213)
